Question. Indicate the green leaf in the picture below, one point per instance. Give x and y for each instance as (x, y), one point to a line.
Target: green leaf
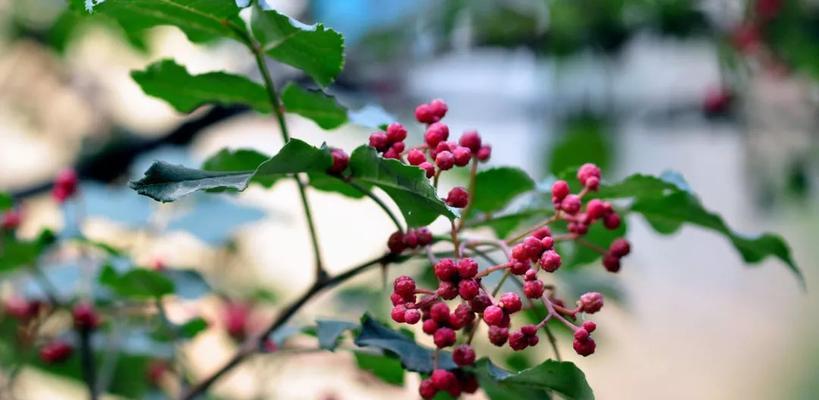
(314, 49)
(171, 82)
(576, 254)
(332, 184)
(405, 184)
(413, 357)
(387, 368)
(584, 140)
(193, 327)
(495, 188)
(165, 182)
(201, 20)
(240, 160)
(315, 105)
(136, 283)
(329, 332)
(6, 201)
(506, 224)
(16, 253)
(563, 378)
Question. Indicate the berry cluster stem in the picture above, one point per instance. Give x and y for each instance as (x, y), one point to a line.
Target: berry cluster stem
(87, 361)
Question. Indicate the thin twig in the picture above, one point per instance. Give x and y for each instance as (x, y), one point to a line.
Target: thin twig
(87, 360)
(377, 201)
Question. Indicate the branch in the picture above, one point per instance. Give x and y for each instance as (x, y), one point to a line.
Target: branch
(87, 360)
(251, 347)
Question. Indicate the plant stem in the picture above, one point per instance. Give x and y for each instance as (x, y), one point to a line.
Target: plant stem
(87, 360)
(377, 201)
(252, 346)
(473, 172)
(321, 273)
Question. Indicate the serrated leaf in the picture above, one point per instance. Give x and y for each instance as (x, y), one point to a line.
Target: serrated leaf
(405, 184)
(314, 49)
(315, 105)
(240, 160)
(5, 201)
(165, 182)
(563, 378)
(201, 20)
(329, 332)
(136, 283)
(495, 188)
(388, 369)
(413, 356)
(173, 83)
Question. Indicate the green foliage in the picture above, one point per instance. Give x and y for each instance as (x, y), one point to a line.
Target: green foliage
(5, 201)
(495, 188)
(171, 82)
(405, 184)
(315, 105)
(413, 357)
(563, 378)
(193, 327)
(329, 332)
(314, 49)
(388, 369)
(17, 253)
(167, 182)
(584, 140)
(136, 283)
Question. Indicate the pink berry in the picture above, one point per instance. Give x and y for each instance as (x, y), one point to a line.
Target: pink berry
(581, 334)
(439, 312)
(439, 108)
(391, 153)
(410, 239)
(21, 308)
(463, 355)
(620, 247)
(65, 185)
(397, 299)
(443, 379)
(462, 155)
(510, 302)
(429, 326)
(467, 268)
(570, 204)
(589, 326)
(404, 286)
(560, 189)
(519, 252)
(550, 261)
(424, 236)
(578, 228)
(533, 289)
(542, 232)
(445, 269)
(427, 389)
(396, 242)
(462, 316)
(398, 147)
(397, 313)
(445, 160)
(471, 140)
(595, 209)
(11, 220)
(468, 289)
(593, 183)
(435, 134)
(480, 303)
(530, 275)
(416, 157)
(548, 243)
(484, 153)
(611, 221)
(428, 168)
(533, 247)
(498, 335)
(444, 337)
(591, 302)
(587, 171)
(412, 316)
(493, 315)
(379, 141)
(396, 132)
(518, 341)
(611, 262)
(457, 197)
(447, 290)
(518, 267)
(55, 352)
(85, 318)
(584, 347)
(425, 114)
(340, 161)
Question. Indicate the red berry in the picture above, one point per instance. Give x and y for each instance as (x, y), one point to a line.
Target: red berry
(550, 261)
(11, 220)
(412, 316)
(520, 253)
(428, 168)
(55, 352)
(480, 302)
(542, 232)
(404, 286)
(533, 247)
(717, 101)
(581, 334)
(587, 171)
(529, 330)
(235, 316)
(611, 262)
(578, 228)
(416, 157)
(467, 268)
(410, 239)
(533, 289)
(396, 243)
(591, 302)
(469, 384)
(444, 337)
(397, 299)
(493, 315)
(462, 155)
(510, 302)
(85, 317)
(398, 147)
(397, 313)
(435, 134)
(484, 153)
(533, 340)
(429, 326)
(424, 236)
(570, 204)
(391, 153)
(439, 108)
(595, 209)
(589, 326)
(457, 197)
(530, 275)
(65, 185)
(439, 312)
(443, 379)
(593, 183)
(445, 269)
(584, 347)
(620, 247)
(519, 267)
(463, 355)
(518, 341)
(21, 308)
(498, 335)
(468, 289)
(427, 389)
(548, 243)
(560, 189)
(445, 160)
(611, 221)
(471, 140)
(425, 114)
(156, 369)
(462, 316)
(379, 141)
(340, 161)
(396, 132)
(447, 290)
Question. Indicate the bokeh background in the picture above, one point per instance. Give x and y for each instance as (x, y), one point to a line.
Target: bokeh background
(723, 92)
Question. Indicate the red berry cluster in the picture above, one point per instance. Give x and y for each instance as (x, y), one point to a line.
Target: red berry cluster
(340, 161)
(56, 351)
(11, 220)
(65, 185)
(411, 239)
(85, 318)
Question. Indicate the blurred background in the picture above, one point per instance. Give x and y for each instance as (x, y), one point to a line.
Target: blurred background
(723, 92)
